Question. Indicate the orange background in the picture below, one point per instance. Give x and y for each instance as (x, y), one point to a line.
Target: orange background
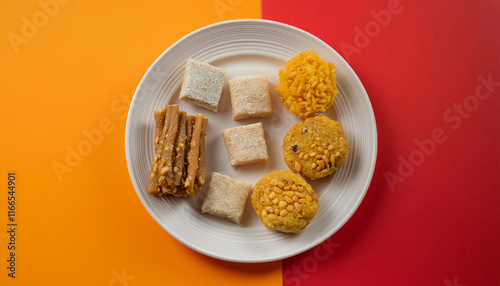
(73, 74)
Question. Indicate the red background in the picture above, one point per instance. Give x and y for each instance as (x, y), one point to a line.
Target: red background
(438, 223)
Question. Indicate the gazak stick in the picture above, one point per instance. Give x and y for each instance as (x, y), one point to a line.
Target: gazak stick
(178, 166)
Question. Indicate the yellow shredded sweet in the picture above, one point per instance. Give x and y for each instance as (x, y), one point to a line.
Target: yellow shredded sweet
(307, 85)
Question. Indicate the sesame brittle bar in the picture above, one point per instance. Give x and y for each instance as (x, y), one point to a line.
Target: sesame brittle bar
(178, 166)
(193, 155)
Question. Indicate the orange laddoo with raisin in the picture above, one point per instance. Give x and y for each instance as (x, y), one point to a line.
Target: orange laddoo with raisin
(315, 147)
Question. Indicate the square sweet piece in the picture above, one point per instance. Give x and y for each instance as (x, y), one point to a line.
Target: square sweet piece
(202, 84)
(250, 97)
(246, 144)
(226, 197)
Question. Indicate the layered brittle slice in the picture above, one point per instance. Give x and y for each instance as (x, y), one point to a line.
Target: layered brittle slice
(178, 166)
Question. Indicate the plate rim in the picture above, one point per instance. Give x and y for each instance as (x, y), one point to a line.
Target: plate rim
(371, 115)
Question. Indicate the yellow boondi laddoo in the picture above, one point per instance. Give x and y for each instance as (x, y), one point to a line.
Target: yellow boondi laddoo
(307, 85)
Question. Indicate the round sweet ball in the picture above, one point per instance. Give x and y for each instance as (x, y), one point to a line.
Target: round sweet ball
(316, 147)
(284, 201)
(307, 85)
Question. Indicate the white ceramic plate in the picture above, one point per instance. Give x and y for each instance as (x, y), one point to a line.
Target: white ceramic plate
(247, 48)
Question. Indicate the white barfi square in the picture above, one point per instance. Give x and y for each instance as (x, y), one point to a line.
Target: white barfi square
(202, 84)
(246, 144)
(226, 197)
(250, 97)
